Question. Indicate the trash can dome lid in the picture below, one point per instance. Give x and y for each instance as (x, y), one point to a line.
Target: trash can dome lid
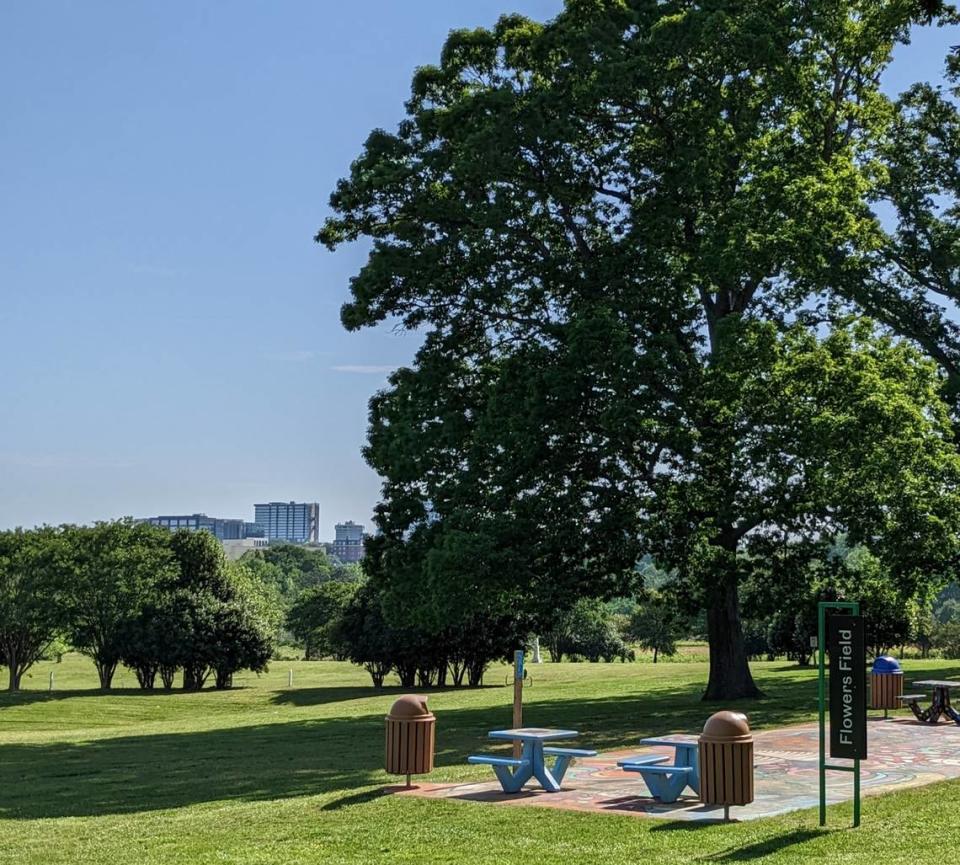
(727, 727)
(410, 706)
(886, 664)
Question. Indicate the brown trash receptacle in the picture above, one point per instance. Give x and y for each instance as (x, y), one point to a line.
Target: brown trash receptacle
(726, 761)
(886, 684)
(410, 737)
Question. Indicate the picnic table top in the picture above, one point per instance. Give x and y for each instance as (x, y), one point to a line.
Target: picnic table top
(938, 683)
(673, 740)
(541, 734)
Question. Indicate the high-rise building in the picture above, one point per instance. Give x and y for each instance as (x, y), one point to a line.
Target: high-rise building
(348, 543)
(297, 522)
(224, 530)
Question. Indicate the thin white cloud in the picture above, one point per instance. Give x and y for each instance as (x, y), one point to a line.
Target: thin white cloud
(364, 369)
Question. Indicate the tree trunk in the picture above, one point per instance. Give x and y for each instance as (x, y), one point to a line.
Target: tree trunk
(105, 671)
(730, 677)
(146, 676)
(13, 683)
(195, 676)
(475, 672)
(378, 672)
(407, 674)
(457, 672)
(654, 654)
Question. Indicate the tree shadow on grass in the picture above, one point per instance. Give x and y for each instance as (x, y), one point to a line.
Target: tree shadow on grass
(341, 754)
(322, 696)
(143, 773)
(9, 699)
(303, 757)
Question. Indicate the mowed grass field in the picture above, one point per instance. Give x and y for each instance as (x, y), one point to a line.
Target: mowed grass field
(271, 774)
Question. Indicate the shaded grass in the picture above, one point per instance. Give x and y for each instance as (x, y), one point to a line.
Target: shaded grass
(268, 774)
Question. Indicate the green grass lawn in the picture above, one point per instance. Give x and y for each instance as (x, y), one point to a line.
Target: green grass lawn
(269, 774)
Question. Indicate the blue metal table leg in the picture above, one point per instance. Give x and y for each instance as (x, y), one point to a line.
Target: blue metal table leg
(559, 768)
(655, 784)
(540, 770)
(511, 782)
(691, 758)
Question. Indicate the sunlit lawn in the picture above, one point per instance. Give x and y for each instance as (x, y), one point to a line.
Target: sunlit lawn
(270, 774)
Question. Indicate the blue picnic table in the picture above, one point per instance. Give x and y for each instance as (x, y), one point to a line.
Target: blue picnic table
(665, 780)
(513, 773)
(939, 704)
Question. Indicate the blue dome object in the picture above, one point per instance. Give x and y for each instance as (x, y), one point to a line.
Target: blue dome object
(886, 664)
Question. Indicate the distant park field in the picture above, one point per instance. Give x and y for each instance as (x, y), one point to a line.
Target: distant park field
(266, 773)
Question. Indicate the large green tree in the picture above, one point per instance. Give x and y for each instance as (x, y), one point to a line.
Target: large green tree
(32, 592)
(113, 570)
(314, 613)
(625, 236)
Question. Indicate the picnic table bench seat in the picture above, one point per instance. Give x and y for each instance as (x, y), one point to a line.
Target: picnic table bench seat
(569, 752)
(652, 760)
(912, 698)
(493, 760)
(659, 770)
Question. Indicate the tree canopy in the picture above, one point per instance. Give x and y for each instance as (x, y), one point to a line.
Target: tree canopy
(293, 568)
(32, 597)
(640, 241)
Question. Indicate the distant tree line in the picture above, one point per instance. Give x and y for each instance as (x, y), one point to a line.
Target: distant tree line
(289, 570)
(783, 614)
(132, 594)
(425, 641)
(348, 621)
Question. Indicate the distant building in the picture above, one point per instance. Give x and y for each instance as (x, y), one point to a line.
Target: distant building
(348, 543)
(223, 529)
(233, 549)
(297, 522)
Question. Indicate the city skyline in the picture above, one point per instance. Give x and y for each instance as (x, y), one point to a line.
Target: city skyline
(235, 528)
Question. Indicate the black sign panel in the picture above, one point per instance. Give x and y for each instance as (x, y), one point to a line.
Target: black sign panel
(848, 687)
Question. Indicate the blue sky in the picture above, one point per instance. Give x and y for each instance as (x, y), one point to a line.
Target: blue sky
(169, 332)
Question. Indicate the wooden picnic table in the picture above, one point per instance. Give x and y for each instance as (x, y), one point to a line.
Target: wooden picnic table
(939, 704)
(532, 763)
(666, 781)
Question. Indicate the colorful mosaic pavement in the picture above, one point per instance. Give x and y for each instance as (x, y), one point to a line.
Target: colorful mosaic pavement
(903, 753)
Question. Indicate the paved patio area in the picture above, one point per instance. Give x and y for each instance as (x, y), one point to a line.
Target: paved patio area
(903, 753)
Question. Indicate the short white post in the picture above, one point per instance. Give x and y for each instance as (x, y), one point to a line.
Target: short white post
(51, 680)
(290, 679)
(536, 651)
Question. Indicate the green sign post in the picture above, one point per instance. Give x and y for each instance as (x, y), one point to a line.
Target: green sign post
(847, 721)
